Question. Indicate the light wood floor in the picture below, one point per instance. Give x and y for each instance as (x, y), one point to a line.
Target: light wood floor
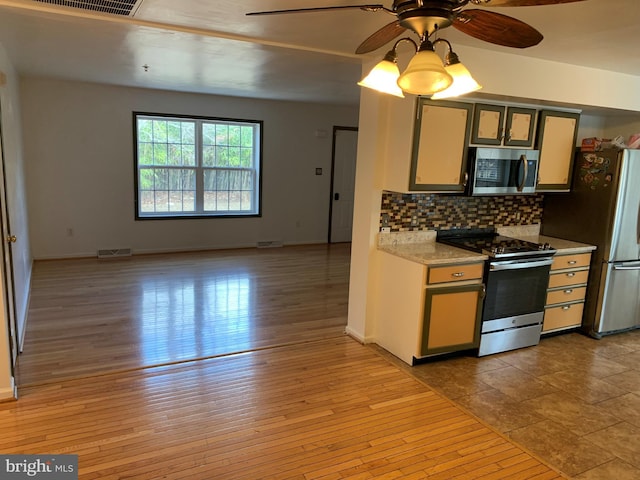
(88, 316)
(303, 402)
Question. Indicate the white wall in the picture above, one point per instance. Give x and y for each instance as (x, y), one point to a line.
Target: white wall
(79, 156)
(17, 212)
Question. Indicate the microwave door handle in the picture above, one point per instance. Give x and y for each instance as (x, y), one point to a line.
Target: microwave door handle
(525, 163)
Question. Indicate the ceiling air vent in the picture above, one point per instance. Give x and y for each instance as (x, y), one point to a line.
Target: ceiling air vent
(115, 7)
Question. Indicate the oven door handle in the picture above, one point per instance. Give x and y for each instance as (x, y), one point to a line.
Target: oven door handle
(519, 264)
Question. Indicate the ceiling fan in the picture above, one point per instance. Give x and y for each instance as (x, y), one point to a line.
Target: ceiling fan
(425, 17)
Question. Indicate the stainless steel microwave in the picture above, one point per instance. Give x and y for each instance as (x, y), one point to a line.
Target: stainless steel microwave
(502, 171)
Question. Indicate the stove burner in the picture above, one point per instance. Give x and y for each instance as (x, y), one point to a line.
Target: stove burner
(496, 246)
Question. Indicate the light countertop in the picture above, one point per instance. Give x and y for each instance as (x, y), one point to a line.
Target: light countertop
(421, 247)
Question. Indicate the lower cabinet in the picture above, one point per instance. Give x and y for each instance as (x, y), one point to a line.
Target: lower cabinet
(566, 293)
(451, 319)
(428, 310)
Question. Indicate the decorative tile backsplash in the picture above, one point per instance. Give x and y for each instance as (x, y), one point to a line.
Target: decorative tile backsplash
(404, 212)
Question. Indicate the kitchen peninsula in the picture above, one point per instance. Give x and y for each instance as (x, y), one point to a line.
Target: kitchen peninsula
(431, 295)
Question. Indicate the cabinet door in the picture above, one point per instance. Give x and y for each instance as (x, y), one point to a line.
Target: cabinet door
(451, 319)
(557, 132)
(519, 127)
(488, 123)
(441, 136)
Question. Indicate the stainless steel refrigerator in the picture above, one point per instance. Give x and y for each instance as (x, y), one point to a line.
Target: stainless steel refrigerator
(603, 209)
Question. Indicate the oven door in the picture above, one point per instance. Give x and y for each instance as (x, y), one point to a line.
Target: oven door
(516, 287)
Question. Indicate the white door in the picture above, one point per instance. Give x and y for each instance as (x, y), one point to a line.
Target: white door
(345, 146)
(7, 266)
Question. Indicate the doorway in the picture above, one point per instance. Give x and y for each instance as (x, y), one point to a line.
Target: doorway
(343, 178)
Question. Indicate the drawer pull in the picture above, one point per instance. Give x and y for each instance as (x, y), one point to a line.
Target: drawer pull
(457, 274)
(572, 262)
(566, 307)
(569, 291)
(570, 275)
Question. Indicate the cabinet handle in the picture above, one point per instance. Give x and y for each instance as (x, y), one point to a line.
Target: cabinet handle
(571, 275)
(457, 274)
(572, 262)
(566, 307)
(508, 136)
(466, 179)
(569, 291)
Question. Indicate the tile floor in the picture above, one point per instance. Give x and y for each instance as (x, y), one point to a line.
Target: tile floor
(572, 400)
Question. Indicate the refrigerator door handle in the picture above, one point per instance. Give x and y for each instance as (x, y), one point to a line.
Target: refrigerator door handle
(638, 224)
(631, 266)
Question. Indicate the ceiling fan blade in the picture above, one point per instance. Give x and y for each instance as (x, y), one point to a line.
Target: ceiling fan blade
(367, 8)
(381, 37)
(525, 3)
(497, 28)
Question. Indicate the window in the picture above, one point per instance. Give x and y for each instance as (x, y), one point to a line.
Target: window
(196, 167)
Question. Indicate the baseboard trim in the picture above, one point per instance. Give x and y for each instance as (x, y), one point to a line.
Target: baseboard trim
(10, 393)
(357, 336)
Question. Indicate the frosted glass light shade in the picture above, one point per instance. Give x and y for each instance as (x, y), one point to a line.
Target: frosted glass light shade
(463, 82)
(425, 74)
(383, 78)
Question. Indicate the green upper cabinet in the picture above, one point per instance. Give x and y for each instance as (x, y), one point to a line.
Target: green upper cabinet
(503, 126)
(557, 133)
(440, 142)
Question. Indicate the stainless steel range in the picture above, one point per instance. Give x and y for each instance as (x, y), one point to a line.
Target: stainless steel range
(516, 279)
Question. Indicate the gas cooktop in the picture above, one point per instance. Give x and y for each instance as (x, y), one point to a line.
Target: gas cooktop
(488, 242)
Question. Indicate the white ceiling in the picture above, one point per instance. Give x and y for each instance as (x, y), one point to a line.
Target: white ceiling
(210, 46)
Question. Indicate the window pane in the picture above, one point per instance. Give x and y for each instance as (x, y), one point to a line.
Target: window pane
(247, 202)
(175, 154)
(209, 201)
(188, 133)
(145, 130)
(247, 137)
(234, 200)
(222, 135)
(147, 201)
(234, 157)
(147, 179)
(160, 131)
(222, 157)
(222, 180)
(209, 156)
(234, 135)
(246, 158)
(222, 201)
(189, 155)
(235, 180)
(161, 201)
(174, 132)
(247, 180)
(159, 153)
(208, 134)
(145, 153)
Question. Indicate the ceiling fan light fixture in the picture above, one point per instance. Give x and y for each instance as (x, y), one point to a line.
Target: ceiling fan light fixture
(425, 74)
(463, 82)
(384, 76)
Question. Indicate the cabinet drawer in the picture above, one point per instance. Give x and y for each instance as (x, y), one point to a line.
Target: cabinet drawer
(571, 261)
(566, 295)
(455, 273)
(563, 317)
(568, 278)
